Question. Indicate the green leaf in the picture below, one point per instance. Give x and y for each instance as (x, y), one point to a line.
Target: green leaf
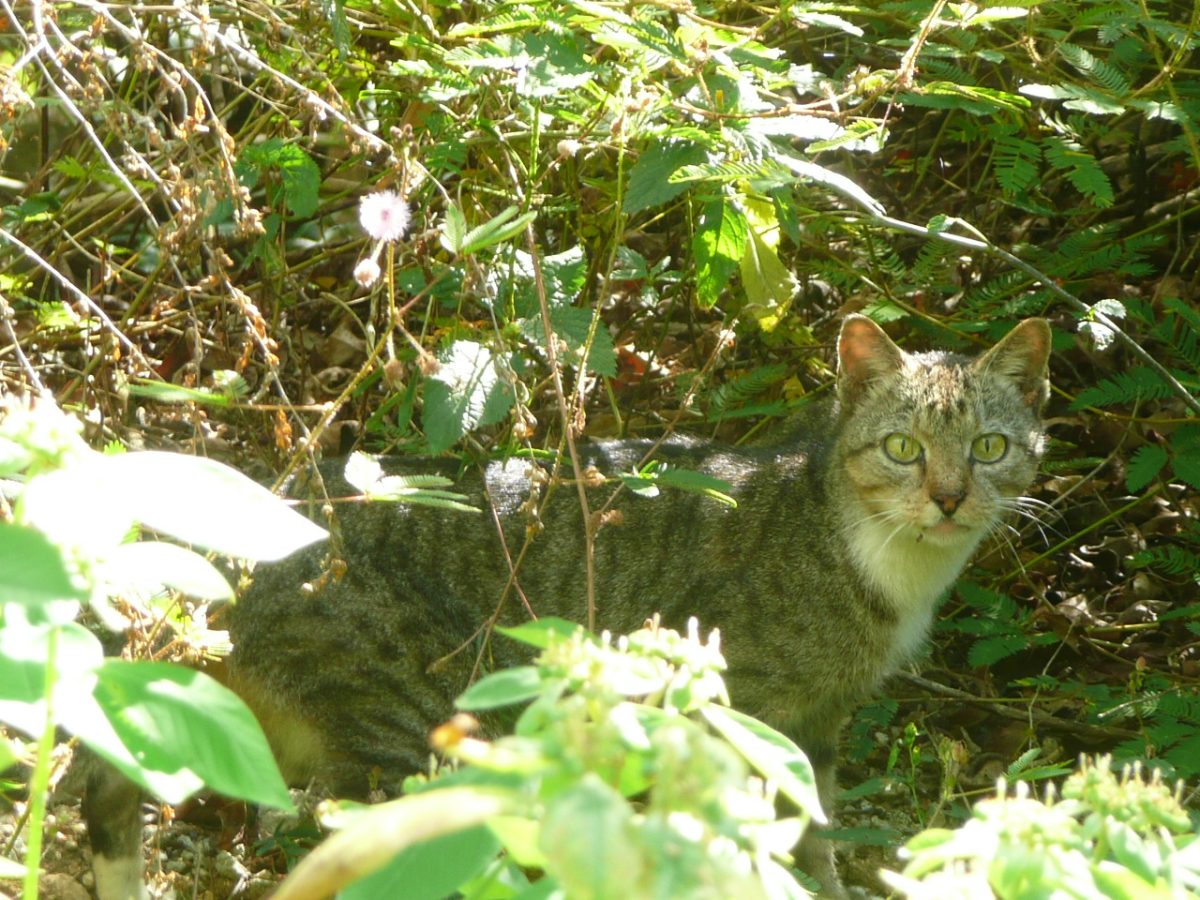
(1137, 384)
(719, 245)
(142, 570)
(589, 840)
(162, 392)
(465, 392)
(990, 650)
(1186, 466)
(1082, 169)
(497, 229)
(774, 756)
(300, 175)
(697, 483)
(539, 633)
(1016, 162)
(834, 181)
(335, 13)
(767, 282)
(179, 722)
(32, 570)
(649, 179)
(207, 503)
(24, 651)
(502, 688)
(365, 473)
(454, 229)
(520, 836)
(1144, 466)
(429, 870)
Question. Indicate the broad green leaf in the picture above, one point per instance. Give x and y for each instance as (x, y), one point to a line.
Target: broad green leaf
(774, 756)
(1145, 465)
(142, 570)
(429, 870)
(369, 838)
(589, 840)
(207, 503)
(178, 721)
(557, 63)
(32, 570)
(719, 245)
(768, 284)
(572, 324)
(520, 836)
(502, 688)
(24, 650)
(462, 394)
(300, 175)
(649, 179)
(539, 633)
(496, 230)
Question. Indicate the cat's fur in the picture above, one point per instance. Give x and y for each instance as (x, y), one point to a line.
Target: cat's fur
(822, 580)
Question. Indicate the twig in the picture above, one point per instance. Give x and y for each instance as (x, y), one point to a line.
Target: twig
(1036, 716)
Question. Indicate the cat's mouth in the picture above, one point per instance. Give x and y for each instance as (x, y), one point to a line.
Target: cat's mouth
(945, 529)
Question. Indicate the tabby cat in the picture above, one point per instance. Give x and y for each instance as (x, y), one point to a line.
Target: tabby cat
(822, 580)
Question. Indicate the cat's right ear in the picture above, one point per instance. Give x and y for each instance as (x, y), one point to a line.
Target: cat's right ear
(865, 353)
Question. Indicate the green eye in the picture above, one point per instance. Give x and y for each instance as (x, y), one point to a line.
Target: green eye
(902, 448)
(989, 448)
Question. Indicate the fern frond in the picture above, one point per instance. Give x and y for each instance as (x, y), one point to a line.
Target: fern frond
(1137, 384)
(733, 171)
(1102, 74)
(1169, 560)
(1081, 169)
(745, 387)
(1016, 163)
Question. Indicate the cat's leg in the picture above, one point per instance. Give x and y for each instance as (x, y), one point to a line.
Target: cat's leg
(112, 808)
(815, 855)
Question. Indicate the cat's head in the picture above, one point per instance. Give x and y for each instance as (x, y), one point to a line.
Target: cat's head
(937, 446)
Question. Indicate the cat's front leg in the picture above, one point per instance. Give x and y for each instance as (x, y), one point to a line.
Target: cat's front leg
(815, 855)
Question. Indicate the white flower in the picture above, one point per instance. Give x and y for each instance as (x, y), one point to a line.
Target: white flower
(366, 272)
(384, 215)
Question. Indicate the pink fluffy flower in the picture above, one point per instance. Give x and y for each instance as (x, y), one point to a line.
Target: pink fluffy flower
(384, 215)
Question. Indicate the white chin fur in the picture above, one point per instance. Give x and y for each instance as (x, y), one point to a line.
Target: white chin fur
(911, 569)
(119, 879)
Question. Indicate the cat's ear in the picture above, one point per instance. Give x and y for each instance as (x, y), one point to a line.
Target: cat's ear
(1024, 356)
(865, 353)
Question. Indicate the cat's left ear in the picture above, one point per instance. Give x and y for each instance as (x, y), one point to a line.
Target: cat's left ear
(1024, 356)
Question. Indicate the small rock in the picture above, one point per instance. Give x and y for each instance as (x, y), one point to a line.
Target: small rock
(62, 887)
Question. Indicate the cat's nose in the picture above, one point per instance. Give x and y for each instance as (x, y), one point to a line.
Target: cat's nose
(948, 501)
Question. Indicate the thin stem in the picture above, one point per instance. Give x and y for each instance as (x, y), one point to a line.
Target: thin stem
(39, 786)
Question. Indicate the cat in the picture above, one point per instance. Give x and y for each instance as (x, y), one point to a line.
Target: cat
(823, 580)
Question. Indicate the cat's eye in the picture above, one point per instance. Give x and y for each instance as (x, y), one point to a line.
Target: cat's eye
(989, 448)
(902, 448)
